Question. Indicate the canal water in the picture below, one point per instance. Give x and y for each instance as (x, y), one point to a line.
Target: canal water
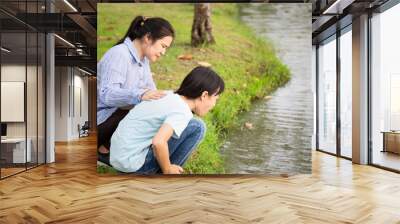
(279, 141)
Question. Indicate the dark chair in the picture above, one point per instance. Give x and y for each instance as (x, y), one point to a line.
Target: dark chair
(84, 130)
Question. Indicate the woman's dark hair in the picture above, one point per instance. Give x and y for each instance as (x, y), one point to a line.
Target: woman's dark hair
(201, 79)
(155, 27)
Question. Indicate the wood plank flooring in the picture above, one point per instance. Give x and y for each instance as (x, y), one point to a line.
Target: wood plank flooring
(70, 191)
(10, 171)
(388, 159)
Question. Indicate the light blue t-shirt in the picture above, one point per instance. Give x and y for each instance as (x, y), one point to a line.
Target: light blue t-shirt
(134, 134)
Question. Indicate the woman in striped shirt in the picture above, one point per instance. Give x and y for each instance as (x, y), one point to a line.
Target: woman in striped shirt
(124, 78)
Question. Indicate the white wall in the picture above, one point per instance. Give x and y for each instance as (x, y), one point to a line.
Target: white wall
(81, 82)
(314, 88)
(14, 73)
(71, 93)
(61, 103)
(17, 73)
(33, 126)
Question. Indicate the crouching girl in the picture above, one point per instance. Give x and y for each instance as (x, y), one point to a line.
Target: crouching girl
(159, 135)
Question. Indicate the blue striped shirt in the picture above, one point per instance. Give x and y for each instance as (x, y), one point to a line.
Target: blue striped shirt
(122, 78)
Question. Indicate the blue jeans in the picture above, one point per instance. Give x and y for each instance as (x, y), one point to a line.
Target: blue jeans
(179, 149)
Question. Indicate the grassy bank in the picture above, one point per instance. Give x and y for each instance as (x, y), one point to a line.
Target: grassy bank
(247, 63)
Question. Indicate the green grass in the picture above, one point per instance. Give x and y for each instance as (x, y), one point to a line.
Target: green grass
(247, 63)
(106, 169)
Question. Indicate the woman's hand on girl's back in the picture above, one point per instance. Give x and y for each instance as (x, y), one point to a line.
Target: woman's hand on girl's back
(153, 94)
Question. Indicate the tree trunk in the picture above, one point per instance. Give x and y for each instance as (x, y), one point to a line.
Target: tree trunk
(201, 28)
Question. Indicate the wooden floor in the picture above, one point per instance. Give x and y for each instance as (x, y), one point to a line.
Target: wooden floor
(70, 191)
(10, 171)
(387, 159)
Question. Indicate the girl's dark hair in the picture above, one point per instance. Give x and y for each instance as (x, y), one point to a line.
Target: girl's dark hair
(201, 79)
(156, 27)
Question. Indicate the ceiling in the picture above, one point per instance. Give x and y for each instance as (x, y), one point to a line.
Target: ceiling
(328, 15)
(74, 21)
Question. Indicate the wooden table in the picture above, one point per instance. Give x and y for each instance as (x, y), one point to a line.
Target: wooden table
(391, 141)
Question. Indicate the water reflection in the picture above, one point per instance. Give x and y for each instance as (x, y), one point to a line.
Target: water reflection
(280, 141)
